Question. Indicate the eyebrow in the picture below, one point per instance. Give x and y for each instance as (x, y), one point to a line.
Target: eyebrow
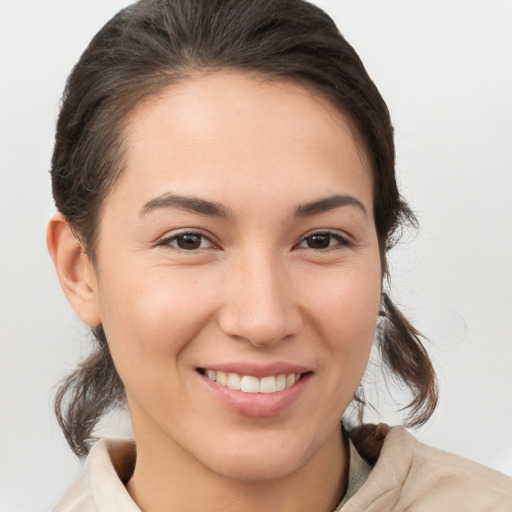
(211, 208)
(328, 203)
(186, 203)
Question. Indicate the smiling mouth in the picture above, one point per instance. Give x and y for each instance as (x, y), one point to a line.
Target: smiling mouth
(251, 384)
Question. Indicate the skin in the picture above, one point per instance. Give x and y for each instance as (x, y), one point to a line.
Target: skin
(255, 291)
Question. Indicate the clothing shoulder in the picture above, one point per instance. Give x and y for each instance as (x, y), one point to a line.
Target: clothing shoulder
(411, 476)
(100, 487)
(77, 498)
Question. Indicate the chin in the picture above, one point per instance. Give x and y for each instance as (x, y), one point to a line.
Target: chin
(258, 460)
(261, 467)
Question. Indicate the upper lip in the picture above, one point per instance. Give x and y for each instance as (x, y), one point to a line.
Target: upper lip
(257, 370)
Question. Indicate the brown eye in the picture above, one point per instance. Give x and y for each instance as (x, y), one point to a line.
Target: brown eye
(325, 240)
(187, 241)
(319, 241)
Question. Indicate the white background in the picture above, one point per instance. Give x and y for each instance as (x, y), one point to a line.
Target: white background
(445, 69)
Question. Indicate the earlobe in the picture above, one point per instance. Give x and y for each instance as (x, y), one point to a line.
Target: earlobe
(74, 269)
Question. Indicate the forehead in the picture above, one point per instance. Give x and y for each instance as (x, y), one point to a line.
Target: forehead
(225, 133)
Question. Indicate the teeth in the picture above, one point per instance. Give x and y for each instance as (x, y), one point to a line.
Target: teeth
(281, 382)
(233, 381)
(250, 384)
(268, 385)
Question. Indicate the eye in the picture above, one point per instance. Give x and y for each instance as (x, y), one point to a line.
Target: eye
(187, 241)
(324, 240)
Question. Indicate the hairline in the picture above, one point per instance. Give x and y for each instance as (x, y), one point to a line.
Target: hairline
(153, 91)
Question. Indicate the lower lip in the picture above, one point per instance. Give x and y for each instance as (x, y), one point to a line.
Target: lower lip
(257, 405)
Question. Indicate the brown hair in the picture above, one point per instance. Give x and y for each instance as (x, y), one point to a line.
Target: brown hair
(156, 43)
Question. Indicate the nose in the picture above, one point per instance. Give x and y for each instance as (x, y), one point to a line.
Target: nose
(260, 306)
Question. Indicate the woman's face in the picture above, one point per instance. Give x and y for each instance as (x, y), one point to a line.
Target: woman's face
(239, 250)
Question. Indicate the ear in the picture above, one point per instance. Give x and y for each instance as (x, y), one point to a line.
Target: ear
(74, 269)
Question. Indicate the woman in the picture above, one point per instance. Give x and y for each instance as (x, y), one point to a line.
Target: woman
(224, 176)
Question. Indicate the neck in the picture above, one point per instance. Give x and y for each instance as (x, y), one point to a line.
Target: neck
(168, 478)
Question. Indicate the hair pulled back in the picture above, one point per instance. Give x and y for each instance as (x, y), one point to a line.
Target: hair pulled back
(156, 43)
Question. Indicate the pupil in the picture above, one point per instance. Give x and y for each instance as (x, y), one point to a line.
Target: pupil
(189, 242)
(319, 241)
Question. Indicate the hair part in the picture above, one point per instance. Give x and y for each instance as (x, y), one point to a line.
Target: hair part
(154, 44)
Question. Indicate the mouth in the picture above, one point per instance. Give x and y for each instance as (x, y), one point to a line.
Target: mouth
(255, 391)
(251, 384)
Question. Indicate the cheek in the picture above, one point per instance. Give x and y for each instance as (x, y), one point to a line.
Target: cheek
(346, 315)
(349, 299)
(149, 318)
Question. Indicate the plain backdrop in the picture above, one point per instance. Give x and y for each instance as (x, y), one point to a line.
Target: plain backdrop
(445, 69)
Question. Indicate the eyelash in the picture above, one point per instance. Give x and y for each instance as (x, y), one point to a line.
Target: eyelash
(342, 241)
(168, 241)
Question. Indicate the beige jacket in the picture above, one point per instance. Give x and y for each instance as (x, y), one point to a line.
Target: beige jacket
(408, 476)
